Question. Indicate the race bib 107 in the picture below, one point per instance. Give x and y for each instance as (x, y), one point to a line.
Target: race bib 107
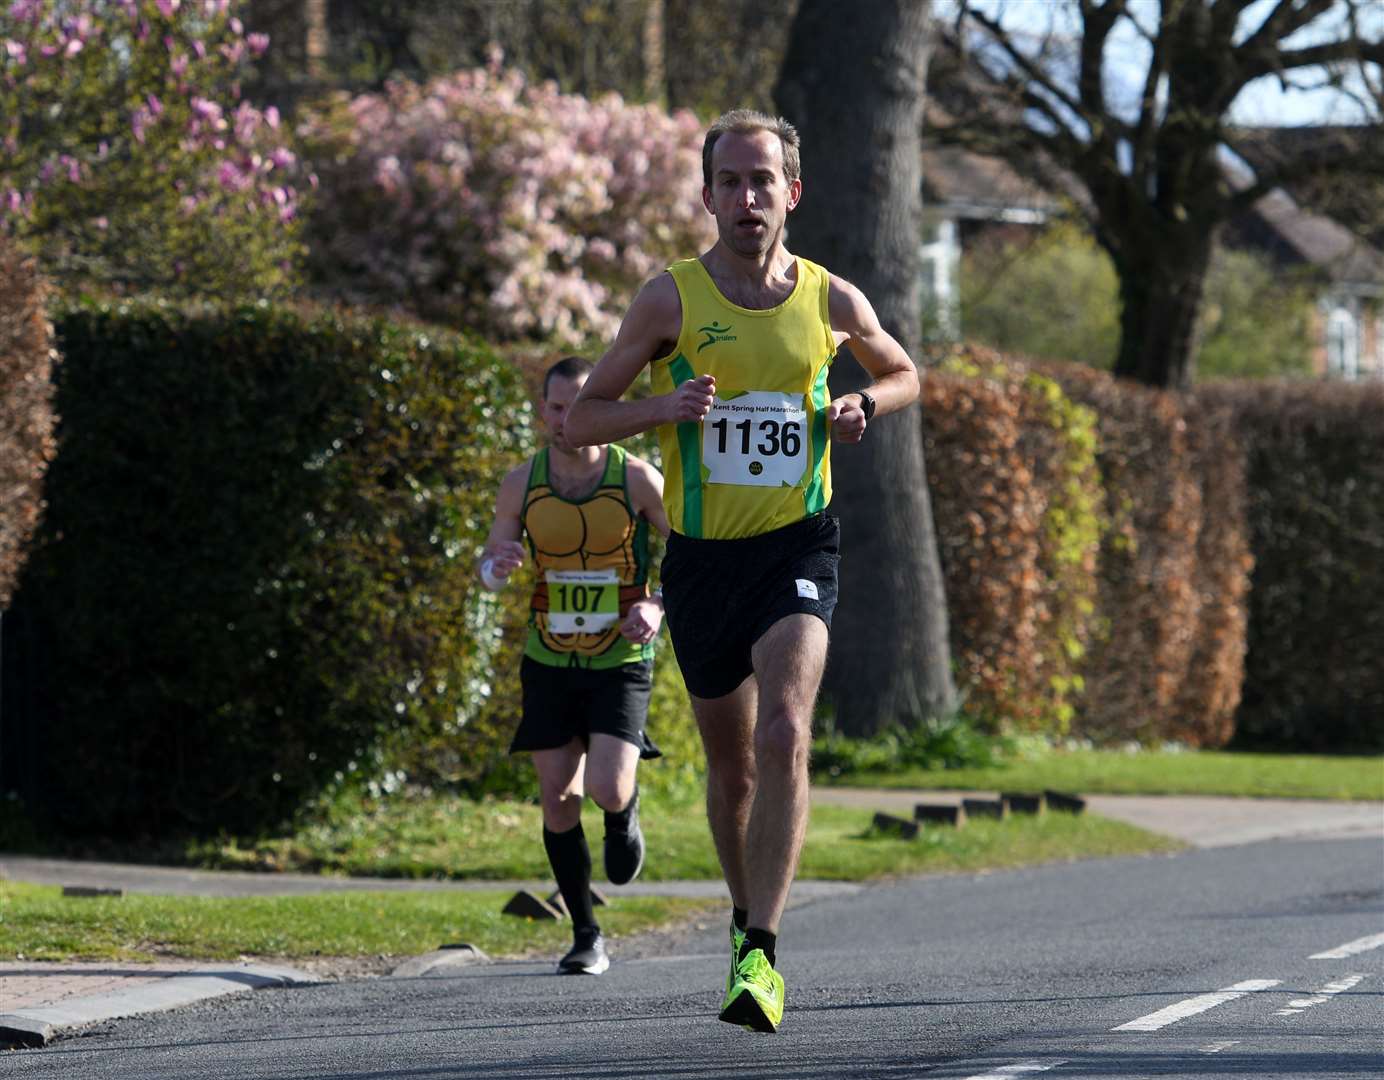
(582, 601)
(758, 438)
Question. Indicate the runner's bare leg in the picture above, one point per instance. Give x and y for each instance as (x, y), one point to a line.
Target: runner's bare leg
(727, 728)
(788, 660)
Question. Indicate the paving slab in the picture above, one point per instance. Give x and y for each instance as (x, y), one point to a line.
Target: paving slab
(40, 1001)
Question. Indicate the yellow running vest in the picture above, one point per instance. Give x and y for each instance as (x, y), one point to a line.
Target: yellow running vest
(592, 558)
(762, 458)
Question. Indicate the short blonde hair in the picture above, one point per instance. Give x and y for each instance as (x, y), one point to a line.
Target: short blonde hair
(747, 122)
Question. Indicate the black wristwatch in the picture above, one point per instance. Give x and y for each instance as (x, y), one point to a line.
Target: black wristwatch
(867, 405)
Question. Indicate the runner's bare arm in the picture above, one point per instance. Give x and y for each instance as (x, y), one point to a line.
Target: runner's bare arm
(894, 377)
(504, 549)
(646, 496)
(649, 331)
(646, 493)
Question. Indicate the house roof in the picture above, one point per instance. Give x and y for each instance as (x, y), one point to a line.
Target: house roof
(982, 187)
(978, 186)
(1317, 240)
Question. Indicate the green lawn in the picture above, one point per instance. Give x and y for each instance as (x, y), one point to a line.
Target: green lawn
(38, 923)
(1110, 772)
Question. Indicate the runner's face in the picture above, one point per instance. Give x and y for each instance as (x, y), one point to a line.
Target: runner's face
(749, 194)
(561, 393)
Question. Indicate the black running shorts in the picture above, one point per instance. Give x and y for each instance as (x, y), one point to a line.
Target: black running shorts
(563, 703)
(722, 595)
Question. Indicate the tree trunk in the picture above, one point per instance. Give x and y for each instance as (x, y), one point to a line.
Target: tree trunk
(315, 18)
(655, 70)
(1162, 286)
(854, 88)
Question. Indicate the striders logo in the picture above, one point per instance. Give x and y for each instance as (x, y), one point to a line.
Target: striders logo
(715, 332)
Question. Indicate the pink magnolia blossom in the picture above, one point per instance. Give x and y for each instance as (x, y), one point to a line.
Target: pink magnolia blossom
(29, 11)
(509, 205)
(16, 51)
(167, 8)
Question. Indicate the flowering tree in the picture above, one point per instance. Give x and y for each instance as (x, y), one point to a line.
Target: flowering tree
(128, 159)
(500, 205)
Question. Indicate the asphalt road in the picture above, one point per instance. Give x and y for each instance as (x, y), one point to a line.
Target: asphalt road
(1264, 961)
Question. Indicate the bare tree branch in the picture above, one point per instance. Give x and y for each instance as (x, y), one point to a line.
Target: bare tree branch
(1285, 20)
(1334, 52)
(1147, 132)
(1034, 73)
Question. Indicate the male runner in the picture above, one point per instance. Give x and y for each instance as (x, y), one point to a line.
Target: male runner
(739, 342)
(586, 672)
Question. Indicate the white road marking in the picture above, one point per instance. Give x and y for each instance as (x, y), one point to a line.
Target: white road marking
(1325, 994)
(1004, 1072)
(1199, 1004)
(1217, 1047)
(1350, 948)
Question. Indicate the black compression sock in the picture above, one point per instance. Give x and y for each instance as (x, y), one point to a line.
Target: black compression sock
(755, 938)
(618, 821)
(570, 859)
(739, 916)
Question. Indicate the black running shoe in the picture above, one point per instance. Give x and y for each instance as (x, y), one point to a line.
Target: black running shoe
(588, 955)
(624, 846)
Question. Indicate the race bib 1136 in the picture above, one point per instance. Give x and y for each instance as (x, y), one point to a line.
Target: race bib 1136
(758, 438)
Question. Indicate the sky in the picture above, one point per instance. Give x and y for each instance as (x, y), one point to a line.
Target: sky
(1263, 102)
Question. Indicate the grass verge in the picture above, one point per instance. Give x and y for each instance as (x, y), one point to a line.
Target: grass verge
(1148, 772)
(439, 837)
(38, 923)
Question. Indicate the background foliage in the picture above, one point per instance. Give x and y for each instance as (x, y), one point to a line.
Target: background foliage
(129, 161)
(1054, 294)
(670, 52)
(27, 421)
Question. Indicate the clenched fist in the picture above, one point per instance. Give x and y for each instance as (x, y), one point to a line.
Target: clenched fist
(692, 400)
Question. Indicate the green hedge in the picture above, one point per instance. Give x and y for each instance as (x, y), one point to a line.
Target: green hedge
(256, 566)
(1314, 672)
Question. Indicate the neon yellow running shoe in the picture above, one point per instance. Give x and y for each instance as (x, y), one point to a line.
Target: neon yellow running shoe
(737, 938)
(755, 1000)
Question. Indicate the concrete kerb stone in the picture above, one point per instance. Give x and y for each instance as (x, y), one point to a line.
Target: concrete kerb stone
(449, 956)
(40, 1025)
